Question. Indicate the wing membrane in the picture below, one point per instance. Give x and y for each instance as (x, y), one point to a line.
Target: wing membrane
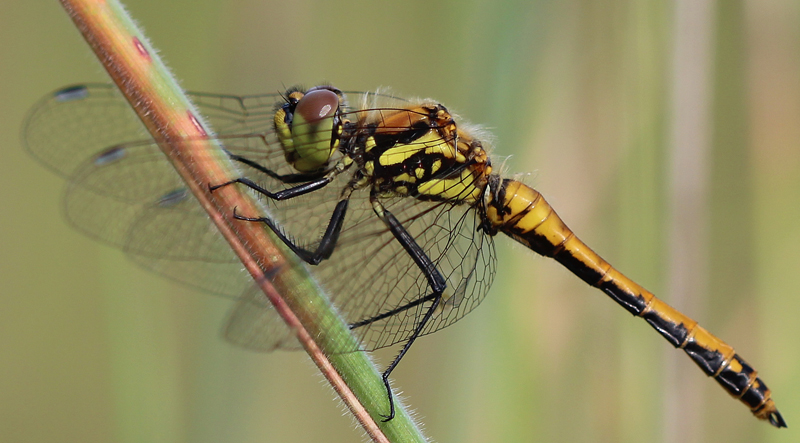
(123, 192)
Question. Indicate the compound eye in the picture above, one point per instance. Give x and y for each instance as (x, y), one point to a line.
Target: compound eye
(312, 131)
(317, 105)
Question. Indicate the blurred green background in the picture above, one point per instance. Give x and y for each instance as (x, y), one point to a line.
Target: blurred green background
(666, 133)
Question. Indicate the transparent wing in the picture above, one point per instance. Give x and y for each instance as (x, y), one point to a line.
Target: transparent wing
(448, 234)
(80, 122)
(70, 126)
(123, 192)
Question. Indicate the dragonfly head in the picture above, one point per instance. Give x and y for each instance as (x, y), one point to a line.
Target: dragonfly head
(308, 127)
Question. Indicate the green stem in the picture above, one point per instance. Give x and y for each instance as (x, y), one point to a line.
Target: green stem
(169, 116)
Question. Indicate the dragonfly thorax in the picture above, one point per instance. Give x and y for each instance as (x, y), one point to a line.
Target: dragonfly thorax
(418, 151)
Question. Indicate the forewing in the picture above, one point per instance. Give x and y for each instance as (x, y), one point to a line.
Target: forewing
(122, 191)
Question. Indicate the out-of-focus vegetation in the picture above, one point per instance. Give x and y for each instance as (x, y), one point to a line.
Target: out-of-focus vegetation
(665, 133)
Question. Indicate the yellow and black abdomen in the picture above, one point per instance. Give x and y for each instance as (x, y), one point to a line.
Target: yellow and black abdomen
(522, 213)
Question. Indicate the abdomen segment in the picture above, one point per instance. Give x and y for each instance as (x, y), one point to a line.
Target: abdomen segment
(522, 213)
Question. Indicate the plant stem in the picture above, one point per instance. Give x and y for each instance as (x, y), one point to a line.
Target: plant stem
(171, 119)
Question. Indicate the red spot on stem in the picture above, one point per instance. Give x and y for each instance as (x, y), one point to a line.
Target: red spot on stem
(197, 124)
(140, 47)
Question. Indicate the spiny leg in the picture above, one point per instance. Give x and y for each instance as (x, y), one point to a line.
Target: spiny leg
(284, 194)
(326, 245)
(310, 182)
(393, 312)
(436, 282)
(283, 178)
(331, 235)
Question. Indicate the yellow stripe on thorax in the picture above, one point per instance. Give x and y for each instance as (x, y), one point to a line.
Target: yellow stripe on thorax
(430, 143)
(462, 188)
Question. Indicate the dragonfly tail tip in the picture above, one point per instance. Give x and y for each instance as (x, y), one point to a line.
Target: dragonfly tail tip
(777, 420)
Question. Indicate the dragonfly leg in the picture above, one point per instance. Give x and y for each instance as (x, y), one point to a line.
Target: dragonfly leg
(284, 194)
(436, 282)
(417, 331)
(393, 312)
(331, 236)
(326, 245)
(284, 178)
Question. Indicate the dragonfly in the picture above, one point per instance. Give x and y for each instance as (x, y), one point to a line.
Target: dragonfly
(394, 205)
